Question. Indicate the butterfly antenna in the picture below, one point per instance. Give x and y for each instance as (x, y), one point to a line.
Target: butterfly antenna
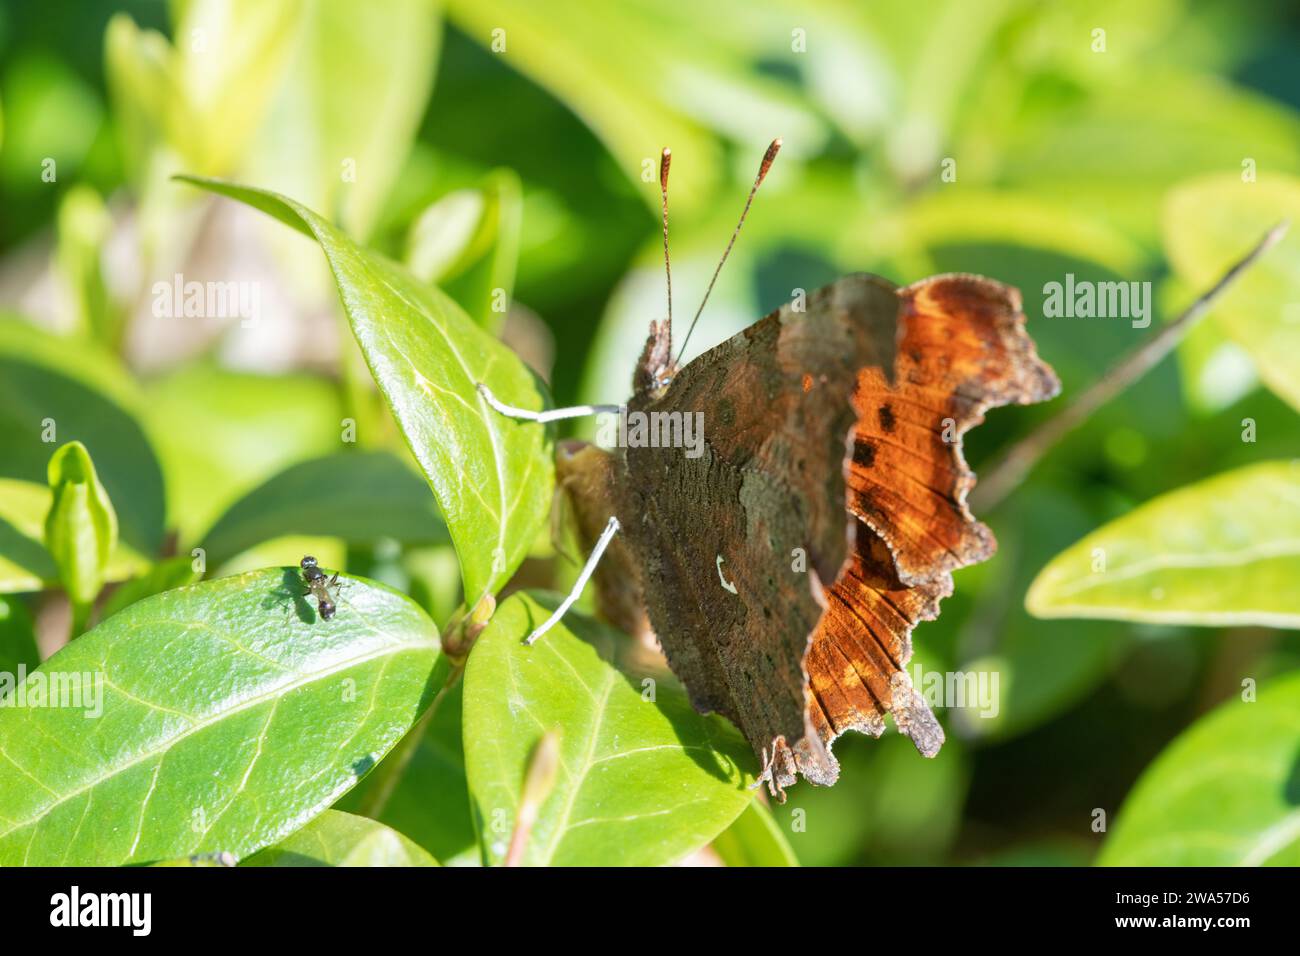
(763, 167)
(665, 160)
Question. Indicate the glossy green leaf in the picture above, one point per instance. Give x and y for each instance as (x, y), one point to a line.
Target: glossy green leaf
(359, 497)
(641, 782)
(754, 839)
(1222, 551)
(492, 476)
(1211, 222)
(81, 527)
(341, 839)
(216, 717)
(1223, 794)
(51, 394)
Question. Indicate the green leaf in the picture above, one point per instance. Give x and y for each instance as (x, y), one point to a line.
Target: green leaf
(204, 860)
(1215, 372)
(227, 62)
(430, 802)
(25, 565)
(51, 394)
(221, 433)
(1224, 551)
(1004, 216)
(216, 717)
(351, 100)
(467, 243)
(1042, 669)
(684, 62)
(1223, 794)
(492, 476)
(1211, 222)
(341, 839)
(754, 839)
(81, 527)
(359, 497)
(1097, 155)
(640, 783)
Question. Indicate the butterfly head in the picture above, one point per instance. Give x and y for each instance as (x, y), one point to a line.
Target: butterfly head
(656, 368)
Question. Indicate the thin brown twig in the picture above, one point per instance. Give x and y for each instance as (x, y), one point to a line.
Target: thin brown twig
(1014, 465)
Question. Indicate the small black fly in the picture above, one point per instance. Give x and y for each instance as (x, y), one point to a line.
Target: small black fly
(318, 586)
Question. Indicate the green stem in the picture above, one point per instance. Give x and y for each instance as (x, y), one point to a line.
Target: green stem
(80, 618)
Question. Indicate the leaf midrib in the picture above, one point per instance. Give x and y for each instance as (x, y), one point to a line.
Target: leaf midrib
(1267, 550)
(494, 437)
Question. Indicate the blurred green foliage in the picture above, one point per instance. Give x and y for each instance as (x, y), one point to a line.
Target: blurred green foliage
(1008, 138)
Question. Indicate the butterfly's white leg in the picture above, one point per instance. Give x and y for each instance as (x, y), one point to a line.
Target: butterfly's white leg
(550, 415)
(587, 570)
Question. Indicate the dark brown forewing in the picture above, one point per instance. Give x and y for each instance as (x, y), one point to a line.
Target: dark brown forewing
(962, 349)
(760, 511)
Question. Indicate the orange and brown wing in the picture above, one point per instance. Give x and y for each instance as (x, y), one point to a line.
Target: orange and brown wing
(784, 567)
(962, 350)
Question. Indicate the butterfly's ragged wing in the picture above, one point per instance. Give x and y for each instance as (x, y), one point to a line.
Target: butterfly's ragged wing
(784, 567)
(733, 547)
(962, 350)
